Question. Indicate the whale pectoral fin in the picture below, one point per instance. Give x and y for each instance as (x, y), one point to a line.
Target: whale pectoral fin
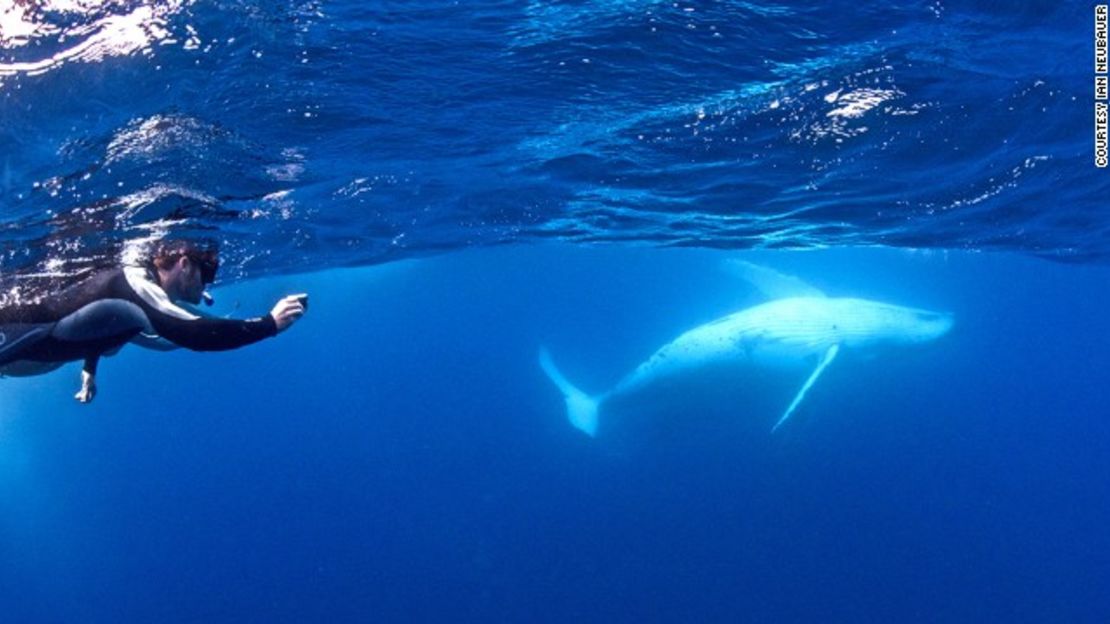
(830, 355)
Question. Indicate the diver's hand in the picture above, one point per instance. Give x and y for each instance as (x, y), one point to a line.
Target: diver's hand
(288, 310)
(88, 388)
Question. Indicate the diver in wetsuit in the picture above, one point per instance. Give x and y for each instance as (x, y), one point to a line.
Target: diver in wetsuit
(131, 304)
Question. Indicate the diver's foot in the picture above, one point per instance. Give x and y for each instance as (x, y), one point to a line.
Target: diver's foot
(88, 389)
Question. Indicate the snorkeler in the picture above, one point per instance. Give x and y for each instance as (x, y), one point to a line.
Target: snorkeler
(131, 304)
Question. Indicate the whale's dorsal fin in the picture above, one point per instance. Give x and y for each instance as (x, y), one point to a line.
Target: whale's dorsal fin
(771, 283)
(830, 355)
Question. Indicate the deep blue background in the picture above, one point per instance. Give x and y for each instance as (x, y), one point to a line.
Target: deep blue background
(399, 456)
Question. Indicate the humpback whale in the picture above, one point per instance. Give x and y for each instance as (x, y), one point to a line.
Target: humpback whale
(799, 327)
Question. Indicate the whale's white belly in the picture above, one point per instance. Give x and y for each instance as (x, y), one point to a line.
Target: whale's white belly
(772, 335)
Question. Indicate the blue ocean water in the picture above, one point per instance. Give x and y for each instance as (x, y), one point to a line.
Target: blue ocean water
(459, 184)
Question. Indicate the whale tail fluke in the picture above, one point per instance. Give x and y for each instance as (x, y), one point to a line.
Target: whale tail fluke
(581, 408)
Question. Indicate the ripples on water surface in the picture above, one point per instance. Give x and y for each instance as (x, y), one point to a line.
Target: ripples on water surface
(309, 134)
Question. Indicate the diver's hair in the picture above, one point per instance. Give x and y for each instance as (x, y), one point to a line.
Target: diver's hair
(167, 252)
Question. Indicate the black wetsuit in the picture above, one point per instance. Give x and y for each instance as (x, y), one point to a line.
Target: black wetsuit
(107, 310)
